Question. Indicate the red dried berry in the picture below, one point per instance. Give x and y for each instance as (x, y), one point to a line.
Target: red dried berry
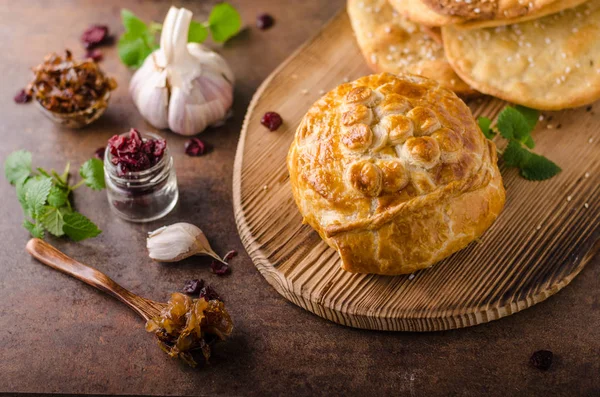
(94, 36)
(264, 21)
(195, 147)
(193, 287)
(22, 97)
(94, 54)
(99, 153)
(209, 294)
(271, 120)
(134, 154)
(541, 359)
(219, 268)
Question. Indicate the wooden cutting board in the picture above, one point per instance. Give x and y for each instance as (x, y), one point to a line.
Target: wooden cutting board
(545, 236)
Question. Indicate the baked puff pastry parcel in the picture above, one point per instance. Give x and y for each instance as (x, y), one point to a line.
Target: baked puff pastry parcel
(394, 173)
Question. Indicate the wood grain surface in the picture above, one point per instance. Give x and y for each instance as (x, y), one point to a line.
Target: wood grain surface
(546, 234)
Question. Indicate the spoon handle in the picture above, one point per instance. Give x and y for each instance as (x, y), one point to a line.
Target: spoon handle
(52, 257)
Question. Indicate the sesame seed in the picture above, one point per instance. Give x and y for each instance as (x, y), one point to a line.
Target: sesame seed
(304, 91)
(411, 276)
(591, 140)
(374, 58)
(550, 126)
(346, 79)
(265, 187)
(388, 29)
(547, 40)
(574, 30)
(321, 92)
(539, 227)
(541, 117)
(586, 205)
(587, 175)
(569, 198)
(476, 10)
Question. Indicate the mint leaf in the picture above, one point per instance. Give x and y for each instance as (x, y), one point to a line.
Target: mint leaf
(17, 167)
(515, 155)
(21, 193)
(197, 33)
(484, 126)
(134, 49)
(36, 193)
(52, 220)
(34, 229)
(78, 227)
(530, 115)
(58, 196)
(513, 125)
(224, 22)
(132, 23)
(539, 168)
(92, 172)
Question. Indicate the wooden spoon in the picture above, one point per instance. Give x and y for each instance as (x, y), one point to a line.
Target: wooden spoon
(48, 255)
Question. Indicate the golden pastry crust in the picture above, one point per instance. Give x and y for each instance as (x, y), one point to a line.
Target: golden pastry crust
(551, 63)
(391, 43)
(425, 186)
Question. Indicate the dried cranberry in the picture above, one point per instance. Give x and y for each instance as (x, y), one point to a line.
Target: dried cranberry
(271, 120)
(264, 21)
(94, 36)
(541, 359)
(99, 153)
(195, 147)
(133, 154)
(94, 54)
(219, 268)
(229, 255)
(208, 293)
(22, 97)
(193, 287)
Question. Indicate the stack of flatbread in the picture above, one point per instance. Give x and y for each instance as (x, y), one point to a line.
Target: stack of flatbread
(543, 54)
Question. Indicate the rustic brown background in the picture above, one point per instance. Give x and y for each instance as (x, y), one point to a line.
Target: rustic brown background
(59, 335)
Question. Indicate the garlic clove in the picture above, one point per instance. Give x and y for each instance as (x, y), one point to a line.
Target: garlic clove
(177, 242)
(149, 91)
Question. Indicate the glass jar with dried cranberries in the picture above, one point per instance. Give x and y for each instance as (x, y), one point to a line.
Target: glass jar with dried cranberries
(140, 177)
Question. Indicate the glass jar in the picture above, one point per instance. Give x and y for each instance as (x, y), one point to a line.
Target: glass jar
(142, 196)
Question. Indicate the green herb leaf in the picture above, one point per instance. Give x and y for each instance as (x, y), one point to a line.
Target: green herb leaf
(134, 49)
(17, 167)
(539, 168)
(58, 196)
(484, 125)
(197, 33)
(92, 172)
(512, 124)
(78, 227)
(21, 196)
(36, 230)
(224, 22)
(52, 220)
(36, 193)
(531, 115)
(532, 166)
(132, 23)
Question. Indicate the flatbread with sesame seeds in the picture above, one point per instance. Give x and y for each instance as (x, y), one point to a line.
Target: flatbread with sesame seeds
(551, 8)
(390, 43)
(487, 9)
(550, 63)
(419, 12)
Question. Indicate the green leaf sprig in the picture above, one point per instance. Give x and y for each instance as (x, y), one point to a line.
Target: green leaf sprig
(139, 39)
(44, 196)
(515, 124)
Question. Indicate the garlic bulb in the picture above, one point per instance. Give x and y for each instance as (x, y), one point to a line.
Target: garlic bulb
(183, 87)
(177, 242)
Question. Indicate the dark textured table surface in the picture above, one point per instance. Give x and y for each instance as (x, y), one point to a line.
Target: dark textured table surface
(60, 335)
